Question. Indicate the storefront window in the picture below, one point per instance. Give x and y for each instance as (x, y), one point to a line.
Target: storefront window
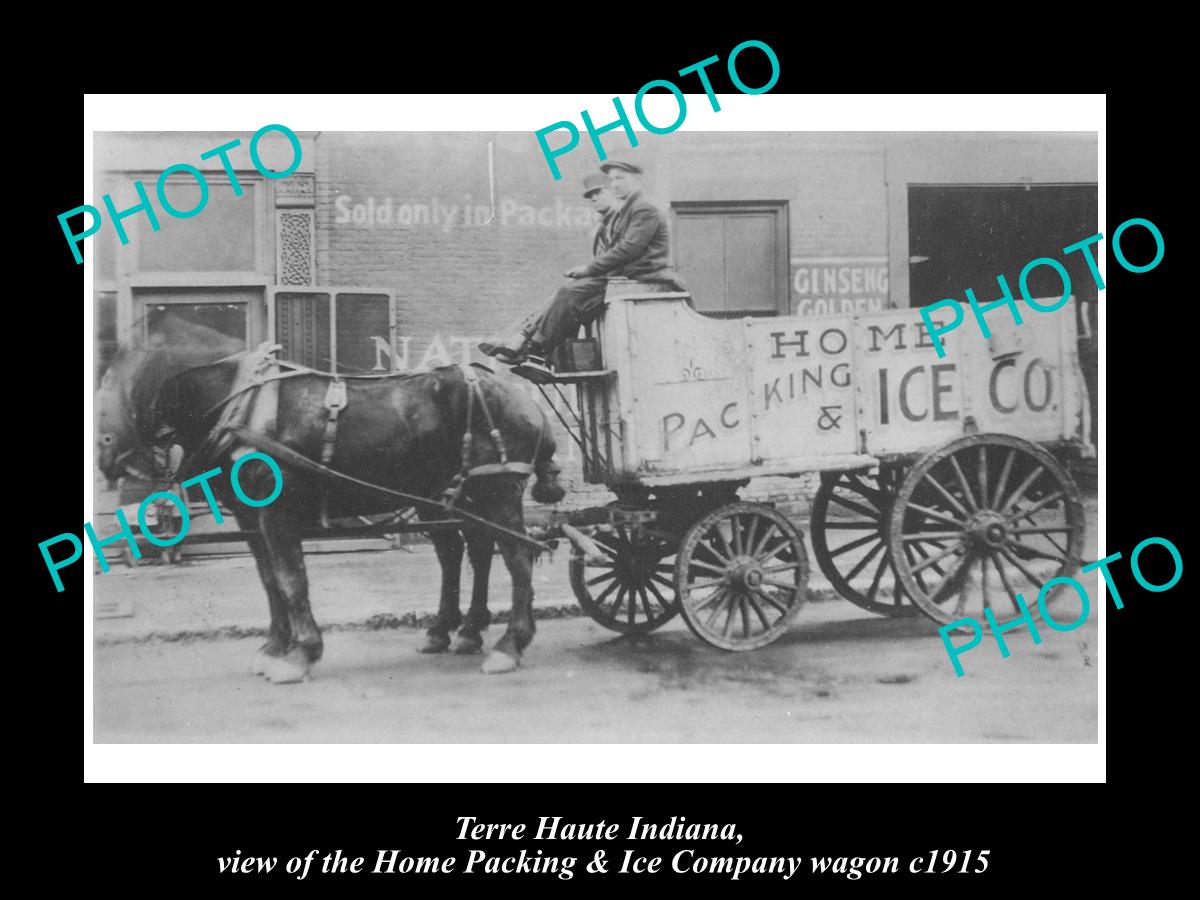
(170, 320)
(220, 239)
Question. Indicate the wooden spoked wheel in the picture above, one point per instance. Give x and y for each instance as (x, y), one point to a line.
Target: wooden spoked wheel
(851, 514)
(983, 519)
(631, 591)
(741, 575)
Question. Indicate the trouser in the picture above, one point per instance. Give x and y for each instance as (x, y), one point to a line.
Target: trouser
(575, 303)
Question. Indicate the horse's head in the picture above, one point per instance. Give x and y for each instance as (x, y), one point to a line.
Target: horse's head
(129, 422)
(119, 446)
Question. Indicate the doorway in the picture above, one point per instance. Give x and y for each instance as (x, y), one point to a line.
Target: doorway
(963, 235)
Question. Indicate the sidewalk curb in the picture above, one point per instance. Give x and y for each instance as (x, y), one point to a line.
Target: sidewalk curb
(377, 622)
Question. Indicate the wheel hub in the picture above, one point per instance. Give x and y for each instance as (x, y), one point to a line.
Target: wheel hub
(988, 528)
(747, 573)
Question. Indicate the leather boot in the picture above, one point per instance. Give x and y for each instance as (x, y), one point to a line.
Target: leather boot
(534, 366)
(510, 350)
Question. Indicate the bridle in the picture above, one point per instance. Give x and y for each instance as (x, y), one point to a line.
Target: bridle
(165, 436)
(150, 449)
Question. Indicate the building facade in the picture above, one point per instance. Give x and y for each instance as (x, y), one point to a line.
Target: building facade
(402, 250)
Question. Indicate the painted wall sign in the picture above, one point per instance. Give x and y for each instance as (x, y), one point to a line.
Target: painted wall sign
(837, 285)
(460, 212)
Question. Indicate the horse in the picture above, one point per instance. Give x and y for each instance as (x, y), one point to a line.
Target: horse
(403, 432)
(126, 431)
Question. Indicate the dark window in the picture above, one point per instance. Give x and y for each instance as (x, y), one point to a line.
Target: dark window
(734, 256)
(302, 328)
(106, 330)
(352, 338)
(182, 314)
(363, 320)
(228, 319)
(963, 236)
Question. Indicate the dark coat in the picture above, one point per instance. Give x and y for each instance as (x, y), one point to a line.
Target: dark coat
(639, 245)
(602, 238)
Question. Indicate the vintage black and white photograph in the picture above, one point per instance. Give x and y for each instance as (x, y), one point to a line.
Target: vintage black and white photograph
(735, 436)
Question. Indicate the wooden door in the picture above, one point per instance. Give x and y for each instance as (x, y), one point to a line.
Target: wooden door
(733, 256)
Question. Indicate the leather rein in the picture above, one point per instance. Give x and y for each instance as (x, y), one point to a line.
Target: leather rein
(335, 401)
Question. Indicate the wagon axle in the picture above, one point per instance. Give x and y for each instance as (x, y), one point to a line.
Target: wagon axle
(748, 574)
(987, 529)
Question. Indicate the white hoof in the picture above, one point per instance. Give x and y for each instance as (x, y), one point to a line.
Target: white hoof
(285, 671)
(499, 662)
(467, 646)
(435, 644)
(262, 662)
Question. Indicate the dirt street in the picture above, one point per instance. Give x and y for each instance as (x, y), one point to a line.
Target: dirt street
(840, 675)
(178, 670)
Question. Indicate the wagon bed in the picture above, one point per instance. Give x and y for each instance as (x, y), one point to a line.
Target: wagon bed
(937, 489)
(684, 399)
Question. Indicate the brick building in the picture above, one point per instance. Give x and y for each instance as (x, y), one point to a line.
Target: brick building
(402, 250)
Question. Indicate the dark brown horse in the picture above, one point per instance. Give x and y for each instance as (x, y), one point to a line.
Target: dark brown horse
(402, 432)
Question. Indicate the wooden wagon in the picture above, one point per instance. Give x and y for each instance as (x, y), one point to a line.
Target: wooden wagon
(942, 483)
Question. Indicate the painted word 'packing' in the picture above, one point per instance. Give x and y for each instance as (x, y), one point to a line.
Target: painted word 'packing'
(125, 533)
(936, 329)
(145, 206)
(622, 120)
(1026, 617)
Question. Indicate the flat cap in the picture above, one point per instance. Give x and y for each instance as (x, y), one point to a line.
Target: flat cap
(593, 183)
(620, 164)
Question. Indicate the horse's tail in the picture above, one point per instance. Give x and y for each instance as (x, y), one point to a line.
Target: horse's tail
(546, 488)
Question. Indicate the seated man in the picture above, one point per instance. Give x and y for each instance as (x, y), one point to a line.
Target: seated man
(596, 192)
(637, 247)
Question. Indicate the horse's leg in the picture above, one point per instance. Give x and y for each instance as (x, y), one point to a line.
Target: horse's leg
(469, 639)
(505, 509)
(285, 554)
(449, 547)
(279, 635)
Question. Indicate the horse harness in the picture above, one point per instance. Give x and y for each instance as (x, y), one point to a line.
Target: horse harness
(248, 415)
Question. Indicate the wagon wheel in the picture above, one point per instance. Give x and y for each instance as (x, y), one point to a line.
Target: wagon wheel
(852, 512)
(983, 519)
(741, 575)
(631, 591)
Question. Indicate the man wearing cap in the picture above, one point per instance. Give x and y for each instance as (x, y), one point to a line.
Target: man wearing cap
(596, 192)
(637, 246)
